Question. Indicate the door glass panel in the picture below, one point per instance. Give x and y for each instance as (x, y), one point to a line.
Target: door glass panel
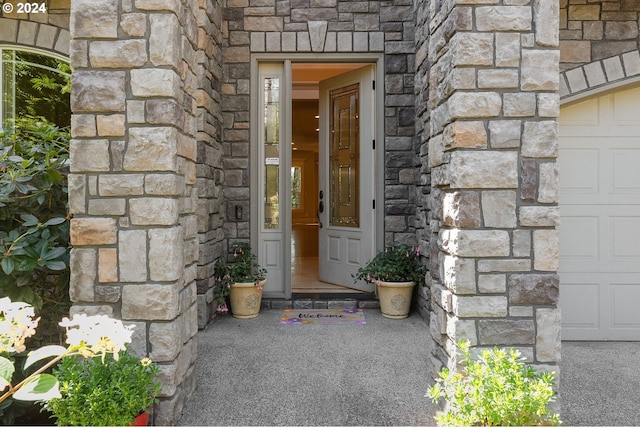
(272, 152)
(344, 156)
(296, 187)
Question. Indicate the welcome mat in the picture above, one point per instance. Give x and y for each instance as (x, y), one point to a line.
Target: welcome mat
(332, 316)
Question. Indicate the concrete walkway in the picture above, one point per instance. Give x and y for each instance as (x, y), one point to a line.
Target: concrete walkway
(258, 372)
(600, 383)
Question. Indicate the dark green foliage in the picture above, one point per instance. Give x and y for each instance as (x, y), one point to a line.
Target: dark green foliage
(243, 269)
(41, 86)
(397, 263)
(34, 226)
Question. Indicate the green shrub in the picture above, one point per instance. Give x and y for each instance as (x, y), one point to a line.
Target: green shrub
(34, 230)
(496, 389)
(104, 393)
(397, 263)
(34, 226)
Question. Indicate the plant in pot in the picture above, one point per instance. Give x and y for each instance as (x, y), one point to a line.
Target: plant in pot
(495, 389)
(96, 382)
(116, 390)
(240, 283)
(395, 271)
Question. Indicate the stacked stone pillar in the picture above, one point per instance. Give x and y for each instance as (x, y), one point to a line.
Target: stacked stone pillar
(490, 145)
(133, 173)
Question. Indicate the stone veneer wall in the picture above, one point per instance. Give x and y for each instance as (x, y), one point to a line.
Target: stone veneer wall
(487, 100)
(145, 112)
(599, 45)
(319, 26)
(597, 29)
(40, 30)
(209, 172)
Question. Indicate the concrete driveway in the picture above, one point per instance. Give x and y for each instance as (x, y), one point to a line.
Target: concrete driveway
(258, 372)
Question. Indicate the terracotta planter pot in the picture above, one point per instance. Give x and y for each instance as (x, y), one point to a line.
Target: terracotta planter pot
(245, 299)
(141, 420)
(395, 298)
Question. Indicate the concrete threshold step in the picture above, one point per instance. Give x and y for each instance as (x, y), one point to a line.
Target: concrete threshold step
(319, 301)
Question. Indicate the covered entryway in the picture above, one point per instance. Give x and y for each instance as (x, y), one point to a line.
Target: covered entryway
(315, 183)
(600, 217)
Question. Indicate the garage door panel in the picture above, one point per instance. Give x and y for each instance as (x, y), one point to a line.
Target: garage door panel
(581, 115)
(580, 302)
(625, 170)
(599, 165)
(600, 306)
(623, 116)
(579, 237)
(625, 237)
(624, 299)
(593, 240)
(582, 163)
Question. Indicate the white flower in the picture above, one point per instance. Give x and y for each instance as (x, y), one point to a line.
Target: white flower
(93, 335)
(16, 325)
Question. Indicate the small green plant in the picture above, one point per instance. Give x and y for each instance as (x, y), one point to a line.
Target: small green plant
(105, 391)
(497, 389)
(243, 269)
(96, 370)
(397, 263)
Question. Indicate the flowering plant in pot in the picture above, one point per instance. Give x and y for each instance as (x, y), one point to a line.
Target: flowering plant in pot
(109, 391)
(394, 271)
(240, 283)
(91, 340)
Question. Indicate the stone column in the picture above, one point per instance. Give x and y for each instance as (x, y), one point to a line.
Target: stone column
(133, 173)
(491, 145)
(210, 175)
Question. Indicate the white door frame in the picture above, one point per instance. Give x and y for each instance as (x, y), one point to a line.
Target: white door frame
(279, 284)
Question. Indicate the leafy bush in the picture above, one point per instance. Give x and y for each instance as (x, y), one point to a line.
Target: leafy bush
(397, 263)
(34, 226)
(498, 389)
(104, 393)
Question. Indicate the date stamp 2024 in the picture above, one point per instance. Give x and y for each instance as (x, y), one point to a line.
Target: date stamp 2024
(24, 8)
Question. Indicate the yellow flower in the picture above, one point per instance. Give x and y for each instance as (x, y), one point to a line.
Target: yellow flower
(145, 361)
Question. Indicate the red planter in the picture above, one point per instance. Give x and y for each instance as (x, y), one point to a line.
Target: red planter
(141, 420)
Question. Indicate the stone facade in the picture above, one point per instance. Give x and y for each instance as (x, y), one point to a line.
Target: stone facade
(48, 31)
(598, 46)
(160, 150)
(596, 30)
(487, 101)
(334, 26)
(146, 174)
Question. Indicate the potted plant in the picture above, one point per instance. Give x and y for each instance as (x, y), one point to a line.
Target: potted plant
(240, 282)
(116, 390)
(96, 382)
(495, 389)
(395, 272)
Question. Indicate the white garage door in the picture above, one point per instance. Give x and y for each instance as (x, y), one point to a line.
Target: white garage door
(599, 167)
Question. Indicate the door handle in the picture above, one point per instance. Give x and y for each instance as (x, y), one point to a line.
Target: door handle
(319, 211)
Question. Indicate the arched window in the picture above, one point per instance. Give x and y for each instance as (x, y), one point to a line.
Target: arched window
(35, 84)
